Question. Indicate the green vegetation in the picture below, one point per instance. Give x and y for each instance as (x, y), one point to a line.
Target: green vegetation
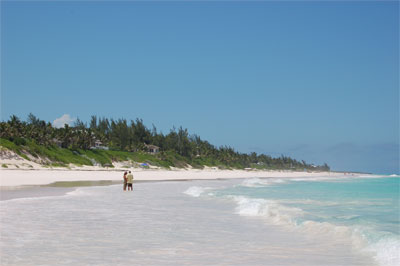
(128, 142)
(56, 156)
(4, 165)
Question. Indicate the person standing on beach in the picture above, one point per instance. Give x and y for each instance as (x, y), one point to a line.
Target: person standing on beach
(125, 180)
(129, 178)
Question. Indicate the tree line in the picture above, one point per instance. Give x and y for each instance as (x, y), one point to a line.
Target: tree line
(134, 136)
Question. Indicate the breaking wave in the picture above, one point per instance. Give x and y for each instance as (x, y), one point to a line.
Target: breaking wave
(386, 249)
(261, 182)
(195, 191)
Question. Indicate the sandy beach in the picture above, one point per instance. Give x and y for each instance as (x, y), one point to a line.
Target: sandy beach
(17, 177)
(17, 171)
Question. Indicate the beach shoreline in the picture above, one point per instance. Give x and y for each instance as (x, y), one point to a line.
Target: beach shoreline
(17, 171)
(24, 177)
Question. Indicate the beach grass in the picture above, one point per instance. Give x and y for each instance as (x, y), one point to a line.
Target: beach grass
(13, 147)
(54, 156)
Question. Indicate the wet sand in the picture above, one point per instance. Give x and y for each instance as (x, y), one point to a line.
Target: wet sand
(53, 189)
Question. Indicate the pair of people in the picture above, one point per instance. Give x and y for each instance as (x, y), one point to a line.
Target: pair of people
(128, 181)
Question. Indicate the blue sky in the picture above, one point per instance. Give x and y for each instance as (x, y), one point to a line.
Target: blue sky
(314, 80)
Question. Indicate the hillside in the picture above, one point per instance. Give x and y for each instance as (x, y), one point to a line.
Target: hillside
(107, 141)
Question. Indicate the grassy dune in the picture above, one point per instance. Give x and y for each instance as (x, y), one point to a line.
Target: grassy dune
(55, 156)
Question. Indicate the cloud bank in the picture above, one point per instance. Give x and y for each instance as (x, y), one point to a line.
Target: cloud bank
(64, 119)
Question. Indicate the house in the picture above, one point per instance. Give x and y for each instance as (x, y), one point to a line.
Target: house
(152, 149)
(98, 145)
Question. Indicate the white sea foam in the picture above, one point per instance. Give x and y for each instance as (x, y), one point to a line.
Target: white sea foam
(319, 178)
(74, 193)
(272, 210)
(325, 228)
(78, 192)
(195, 191)
(27, 199)
(279, 214)
(258, 182)
(387, 251)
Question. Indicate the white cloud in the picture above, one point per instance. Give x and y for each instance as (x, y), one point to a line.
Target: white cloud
(65, 119)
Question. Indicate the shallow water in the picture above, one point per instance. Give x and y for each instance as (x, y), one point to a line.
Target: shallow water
(363, 210)
(162, 223)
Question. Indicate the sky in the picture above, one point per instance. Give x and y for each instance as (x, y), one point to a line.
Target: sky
(317, 81)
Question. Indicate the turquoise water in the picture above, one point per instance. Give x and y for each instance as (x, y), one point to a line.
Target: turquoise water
(365, 210)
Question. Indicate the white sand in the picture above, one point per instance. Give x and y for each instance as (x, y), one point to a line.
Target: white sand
(20, 172)
(41, 176)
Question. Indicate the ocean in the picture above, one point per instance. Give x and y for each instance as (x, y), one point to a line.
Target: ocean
(258, 221)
